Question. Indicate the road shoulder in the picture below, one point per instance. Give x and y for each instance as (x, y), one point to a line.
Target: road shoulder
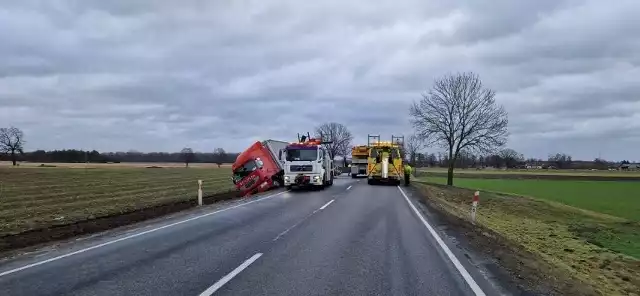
(504, 263)
(475, 249)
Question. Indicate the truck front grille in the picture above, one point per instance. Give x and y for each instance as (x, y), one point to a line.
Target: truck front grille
(301, 168)
(251, 182)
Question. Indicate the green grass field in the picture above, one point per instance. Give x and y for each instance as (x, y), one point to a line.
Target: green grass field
(583, 244)
(32, 198)
(599, 173)
(581, 222)
(616, 198)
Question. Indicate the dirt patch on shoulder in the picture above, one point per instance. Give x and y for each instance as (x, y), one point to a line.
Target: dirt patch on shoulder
(98, 224)
(535, 243)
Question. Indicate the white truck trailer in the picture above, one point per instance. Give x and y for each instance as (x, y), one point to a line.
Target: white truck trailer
(359, 157)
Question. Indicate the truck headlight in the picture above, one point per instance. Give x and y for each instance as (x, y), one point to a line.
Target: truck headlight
(316, 178)
(286, 178)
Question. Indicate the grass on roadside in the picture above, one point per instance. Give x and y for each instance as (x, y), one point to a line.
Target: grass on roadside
(32, 198)
(616, 198)
(594, 248)
(601, 173)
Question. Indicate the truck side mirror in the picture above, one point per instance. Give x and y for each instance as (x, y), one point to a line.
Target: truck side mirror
(280, 154)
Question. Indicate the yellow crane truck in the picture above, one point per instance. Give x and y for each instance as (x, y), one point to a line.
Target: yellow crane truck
(359, 161)
(384, 165)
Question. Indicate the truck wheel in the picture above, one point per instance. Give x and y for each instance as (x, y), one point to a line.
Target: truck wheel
(331, 182)
(289, 187)
(370, 181)
(276, 183)
(354, 176)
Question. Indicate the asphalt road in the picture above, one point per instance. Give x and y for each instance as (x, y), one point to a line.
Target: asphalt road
(350, 239)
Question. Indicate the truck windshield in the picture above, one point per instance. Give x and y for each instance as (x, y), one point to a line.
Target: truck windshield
(244, 170)
(302, 154)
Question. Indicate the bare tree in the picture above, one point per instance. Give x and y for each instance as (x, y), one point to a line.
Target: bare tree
(12, 142)
(412, 147)
(219, 156)
(459, 113)
(560, 160)
(187, 156)
(601, 164)
(511, 157)
(339, 135)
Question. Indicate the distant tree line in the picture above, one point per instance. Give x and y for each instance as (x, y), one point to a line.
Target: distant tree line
(12, 149)
(508, 158)
(80, 156)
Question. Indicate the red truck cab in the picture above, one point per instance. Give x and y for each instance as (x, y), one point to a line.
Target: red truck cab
(258, 168)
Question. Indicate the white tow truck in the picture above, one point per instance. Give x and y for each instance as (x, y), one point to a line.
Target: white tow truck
(307, 164)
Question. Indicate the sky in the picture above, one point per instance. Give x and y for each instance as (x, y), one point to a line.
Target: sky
(123, 75)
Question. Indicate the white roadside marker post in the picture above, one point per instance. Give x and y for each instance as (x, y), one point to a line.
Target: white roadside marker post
(199, 192)
(474, 206)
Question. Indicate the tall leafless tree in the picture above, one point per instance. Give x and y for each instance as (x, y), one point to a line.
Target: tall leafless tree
(339, 135)
(412, 147)
(12, 142)
(459, 113)
(187, 156)
(219, 156)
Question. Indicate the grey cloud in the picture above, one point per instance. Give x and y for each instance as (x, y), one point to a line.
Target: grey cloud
(156, 75)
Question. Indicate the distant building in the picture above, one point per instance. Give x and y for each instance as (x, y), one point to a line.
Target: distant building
(533, 166)
(629, 167)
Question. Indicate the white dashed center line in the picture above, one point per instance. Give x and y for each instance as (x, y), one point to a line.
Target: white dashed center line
(327, 204)
(231, 275)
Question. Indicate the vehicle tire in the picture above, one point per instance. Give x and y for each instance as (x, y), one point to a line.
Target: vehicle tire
(289, 187)
(331, 181)
(276, 183)
(370, 181)
(354, 176)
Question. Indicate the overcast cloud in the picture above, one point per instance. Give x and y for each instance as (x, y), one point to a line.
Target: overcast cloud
(162, 75)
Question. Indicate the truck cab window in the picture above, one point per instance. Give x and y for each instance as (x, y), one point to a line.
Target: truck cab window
(302, 154)
(244, 170)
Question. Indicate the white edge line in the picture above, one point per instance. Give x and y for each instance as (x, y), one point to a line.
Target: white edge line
(465, 274)
(230, 275)
(327, 204)
(349, 187)
(132, 236)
